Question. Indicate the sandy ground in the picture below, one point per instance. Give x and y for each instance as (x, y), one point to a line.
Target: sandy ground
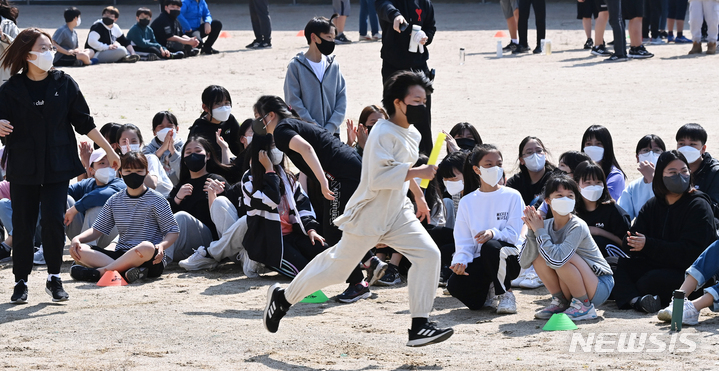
(212, 319)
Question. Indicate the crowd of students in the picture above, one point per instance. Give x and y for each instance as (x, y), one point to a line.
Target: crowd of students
(226, 192)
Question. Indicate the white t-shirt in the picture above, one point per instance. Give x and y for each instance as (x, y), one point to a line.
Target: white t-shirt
(319, 68)
(154, 167)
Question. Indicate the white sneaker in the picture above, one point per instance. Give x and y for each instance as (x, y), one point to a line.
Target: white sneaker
(520, 278)
(665, 314)
(251, 268)
(531, 281)
(690, 317)
(39, 257)
(198, 260)
(507, 304)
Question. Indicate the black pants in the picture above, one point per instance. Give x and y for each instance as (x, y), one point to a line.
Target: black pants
(27, 202)
(444, 238)
(652, 12)
(540, 19)
(152, 49)
(174, 47)
(260, 18)
(215, 28)
(65, 61)
(425, 128)
(639, 277)
(617, 22)
(484, 270)
(298, 251)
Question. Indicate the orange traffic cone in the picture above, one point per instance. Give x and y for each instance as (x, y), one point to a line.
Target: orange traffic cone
(301, 33)
(112, 278)
(224, 35)
(500, 34)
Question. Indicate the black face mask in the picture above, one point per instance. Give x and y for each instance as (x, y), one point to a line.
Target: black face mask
(466, 143)
(416, 114)
(107, 21)
(144, 22)
(174, 13)
(134, 180)
(195, 162)
(677, 183)
(258, 127)
(327, 47)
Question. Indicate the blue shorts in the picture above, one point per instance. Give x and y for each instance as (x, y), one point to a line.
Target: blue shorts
(604, 288)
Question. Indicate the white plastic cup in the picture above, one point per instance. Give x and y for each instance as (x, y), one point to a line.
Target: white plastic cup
(499, 49)
(547, 47)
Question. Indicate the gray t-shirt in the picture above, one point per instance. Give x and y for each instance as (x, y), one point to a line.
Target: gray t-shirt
(66, 38)
(557, 247)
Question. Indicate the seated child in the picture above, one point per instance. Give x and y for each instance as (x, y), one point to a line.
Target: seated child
(107, 40)
(65, 40)
(143, 38)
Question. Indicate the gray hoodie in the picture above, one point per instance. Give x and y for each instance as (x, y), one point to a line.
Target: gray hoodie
(323, 103)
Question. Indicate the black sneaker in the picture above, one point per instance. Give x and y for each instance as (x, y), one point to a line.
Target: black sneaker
(537, 50)
(354, 293)
(209, 51)
(254, 44)
(588, 45)
(19, 294)
(54, 289)
(134, 274)
(265, 45)
(274, 311)
(611, 43)
(429, 334)
(376, 270)
(616, 58)
(177, 55)
(521, 49)
(390, 278)
(511, 47)
(129, 59)
(639, 52)
(151, 57)
(80, 273)
(342, 39)
(601, 51)
(648, 303)
(194, 52)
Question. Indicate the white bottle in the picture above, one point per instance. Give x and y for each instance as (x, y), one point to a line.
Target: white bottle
(499, 49)
(413, 45)
(461, 56)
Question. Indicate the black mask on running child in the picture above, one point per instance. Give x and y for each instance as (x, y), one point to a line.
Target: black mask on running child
(416, 114)
(677, 183)
(174, 13)
(466, 143)
(144, 22)
(133, 180)
(107, 21)
(195, 162)
(327, 47)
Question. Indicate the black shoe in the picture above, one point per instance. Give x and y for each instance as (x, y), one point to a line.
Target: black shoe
(151, 57)
(511, 47)
(521, 49)
(254, 44)
(194, 52)
(390, 278)
(209, 51)
(537, 50)
(78, 63)
(663, 34)
(54, 289)
(134, 274)
(611, 42)
(19, 294)
(80, 273)
(342, 39)
(354, 293)
(376, 270)
(589, 44)
(177, 55)
(601, 51)
(616, 58)
(129, 59)
(4, 251)
(648, 304)
(274, 311)
(639, 52)
(428, 334)
(265, 45)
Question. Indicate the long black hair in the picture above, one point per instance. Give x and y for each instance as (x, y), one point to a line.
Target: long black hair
(548, 166)
(264, 143)
(602, 134)
(212, 95)
(471, 178)
(209, 150)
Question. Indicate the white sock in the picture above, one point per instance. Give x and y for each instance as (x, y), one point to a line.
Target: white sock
(50, 276)
(516, 41)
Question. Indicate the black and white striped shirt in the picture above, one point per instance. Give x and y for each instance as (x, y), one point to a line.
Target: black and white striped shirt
(147, 217)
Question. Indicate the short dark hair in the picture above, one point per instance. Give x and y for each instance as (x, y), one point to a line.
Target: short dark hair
(602, 134)
(247, 124)
(459, 128)
(561, 180)
(692, 132)
(587, 171)
(171, 2)
(134, 160)
(161, 116)
(646, 142)
(367, 111)
(454, 160)
(144, 11)
(574, 158)
(471, 179)
(14, 58)
(318, 25)
(397, 87)
(660, 190)
(214, 94)
(71, 13)
(112, 10)
(128, 127)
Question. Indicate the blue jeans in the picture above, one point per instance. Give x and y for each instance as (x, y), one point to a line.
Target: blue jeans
(704, 268)
(367, 10)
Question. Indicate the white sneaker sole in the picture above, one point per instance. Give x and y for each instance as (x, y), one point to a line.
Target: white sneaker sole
(198, 266)
(53, 298)
(590, 315)
(378, 273)
(501, 310)
(356, 298)
(431, 340)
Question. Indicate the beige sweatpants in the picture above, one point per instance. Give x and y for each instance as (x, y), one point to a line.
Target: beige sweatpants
(407, 236)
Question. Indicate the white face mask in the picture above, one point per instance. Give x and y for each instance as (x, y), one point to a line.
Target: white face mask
(593, 192)
(562, 205)
(594, 152)
(162, 134)
(454, 186)
(692, 154)
(105, 175)
(651, 157)
(78, 22)
(221, 113)
(248, 139)
(535, 162)
(491, 175)
(133, 148)
(276, 156)
(43, 60)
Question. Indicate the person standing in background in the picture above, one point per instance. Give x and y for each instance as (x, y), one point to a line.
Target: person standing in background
(261, 24)
(8, 32)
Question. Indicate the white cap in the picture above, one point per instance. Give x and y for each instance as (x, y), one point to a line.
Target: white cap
(97, 155)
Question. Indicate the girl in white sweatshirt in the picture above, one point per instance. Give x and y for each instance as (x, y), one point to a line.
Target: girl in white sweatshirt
(486, 234)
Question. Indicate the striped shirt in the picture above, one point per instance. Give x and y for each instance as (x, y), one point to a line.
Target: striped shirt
(147, 217)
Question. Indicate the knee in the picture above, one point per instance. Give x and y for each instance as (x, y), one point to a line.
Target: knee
(182, 217)
(216, 24)
(145, 249)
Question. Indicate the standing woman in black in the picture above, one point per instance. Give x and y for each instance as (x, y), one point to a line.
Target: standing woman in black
(540, 19)
(38, 111)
